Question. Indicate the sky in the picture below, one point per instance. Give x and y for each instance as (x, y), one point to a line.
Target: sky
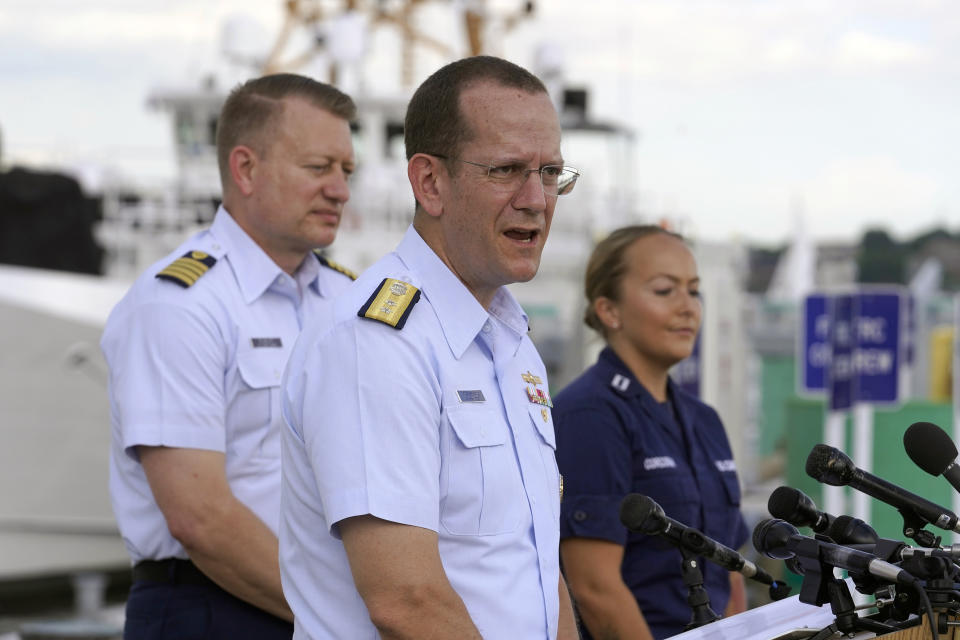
(752, 118)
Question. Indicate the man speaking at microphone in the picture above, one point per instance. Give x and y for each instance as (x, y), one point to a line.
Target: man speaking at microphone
(420, 491)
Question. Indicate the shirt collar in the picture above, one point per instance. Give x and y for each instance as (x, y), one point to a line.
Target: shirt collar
(461, 316)
(310, 274)
(254, 269)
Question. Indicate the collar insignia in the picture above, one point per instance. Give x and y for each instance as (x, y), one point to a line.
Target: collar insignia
(620, 382)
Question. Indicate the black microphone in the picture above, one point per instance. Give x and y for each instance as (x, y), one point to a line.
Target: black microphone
(850, 530)
(831, 466)
(781, 540)
(797, 508)
(643, 515)
(932, 450)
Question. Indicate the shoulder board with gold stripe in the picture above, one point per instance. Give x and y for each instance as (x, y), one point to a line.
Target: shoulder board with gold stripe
(188, 268)
(339, 268)
(391, 303)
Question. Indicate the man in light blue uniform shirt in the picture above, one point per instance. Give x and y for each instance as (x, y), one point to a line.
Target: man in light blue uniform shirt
(196, 352)
(420, 493)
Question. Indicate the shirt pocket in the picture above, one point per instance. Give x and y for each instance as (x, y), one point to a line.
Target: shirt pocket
(483, 493)
(543, 423)
(676, 492)
(255, 409)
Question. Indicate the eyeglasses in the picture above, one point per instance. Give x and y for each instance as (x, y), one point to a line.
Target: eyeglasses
(555, 179)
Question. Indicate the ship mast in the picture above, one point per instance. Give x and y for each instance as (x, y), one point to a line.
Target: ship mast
(312, 16)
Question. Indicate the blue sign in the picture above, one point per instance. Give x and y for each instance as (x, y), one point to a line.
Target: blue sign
(840, 373)
(815, 342)
(852, 347)
(877, 353)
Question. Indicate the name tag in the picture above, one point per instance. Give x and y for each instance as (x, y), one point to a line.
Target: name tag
(266, 342)
(659, 462)
(471, 395)
(725, 465)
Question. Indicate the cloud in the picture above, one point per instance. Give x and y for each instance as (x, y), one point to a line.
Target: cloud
(872, 187)
(109, 25)
(710, 43)
(858, 51)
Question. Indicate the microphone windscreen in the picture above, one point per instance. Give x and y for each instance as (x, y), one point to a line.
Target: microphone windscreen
(770, 538)
(848, 530)
(784, 503)
(635, 510)
(929, 447)
(829, 465)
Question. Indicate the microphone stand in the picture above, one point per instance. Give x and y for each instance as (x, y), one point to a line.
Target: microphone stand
(913, 528)
(697, 596)
(820, 586)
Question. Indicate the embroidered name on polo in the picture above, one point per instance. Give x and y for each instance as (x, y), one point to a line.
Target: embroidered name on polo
(658, 462)
(725, 465)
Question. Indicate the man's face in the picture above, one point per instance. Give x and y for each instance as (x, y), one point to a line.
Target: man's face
(300, 182)
(494, 235)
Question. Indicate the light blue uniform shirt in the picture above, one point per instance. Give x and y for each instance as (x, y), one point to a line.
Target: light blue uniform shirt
(200, 368)
(430, 426)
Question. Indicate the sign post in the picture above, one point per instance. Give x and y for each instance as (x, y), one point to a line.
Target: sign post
(840, 385)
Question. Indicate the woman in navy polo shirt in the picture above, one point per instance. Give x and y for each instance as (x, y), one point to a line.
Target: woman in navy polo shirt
(624, 427)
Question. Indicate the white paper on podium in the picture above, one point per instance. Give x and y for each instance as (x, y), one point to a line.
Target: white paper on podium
(768, 622)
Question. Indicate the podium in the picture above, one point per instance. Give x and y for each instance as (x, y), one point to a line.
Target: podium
(922, 632)
(790, 619)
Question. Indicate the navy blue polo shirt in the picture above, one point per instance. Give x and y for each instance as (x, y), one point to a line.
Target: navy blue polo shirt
(614, 438)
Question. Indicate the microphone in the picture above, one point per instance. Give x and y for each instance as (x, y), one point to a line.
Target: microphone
(850, 530)
(641, 514)
(831, 466)
(932, 450)
(797, 508)
(780, 540)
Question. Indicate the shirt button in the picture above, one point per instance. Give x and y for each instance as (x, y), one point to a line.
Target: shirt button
(579, 516)
(487, 328)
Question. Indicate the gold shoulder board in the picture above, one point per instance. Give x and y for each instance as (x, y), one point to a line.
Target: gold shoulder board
(391, 303)
(187, 269)
(327, 262)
